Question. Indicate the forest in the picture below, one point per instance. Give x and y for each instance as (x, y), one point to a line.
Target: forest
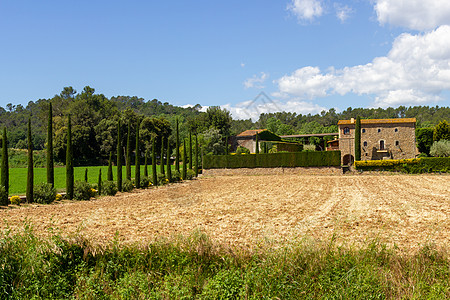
(94, 122)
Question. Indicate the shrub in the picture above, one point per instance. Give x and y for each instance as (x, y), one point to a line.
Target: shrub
(109, 188)
(176, 176)
(58, 197)
(3, 194)
(161, 179)
(82, 190)
(15, 200)
(127, 185)
(44, 193)
(309, 147)
(440, 148)
(145, 182)
(190, 174)
(242, 150)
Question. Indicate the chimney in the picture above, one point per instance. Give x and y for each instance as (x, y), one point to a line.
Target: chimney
(352, 120)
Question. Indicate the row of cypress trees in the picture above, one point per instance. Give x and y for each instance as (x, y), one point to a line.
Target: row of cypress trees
(69, 160)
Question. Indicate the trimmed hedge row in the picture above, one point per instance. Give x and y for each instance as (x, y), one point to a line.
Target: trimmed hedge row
(415, 165)
(273, 160)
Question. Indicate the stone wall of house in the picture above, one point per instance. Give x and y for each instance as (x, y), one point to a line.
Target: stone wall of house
(247, 142)
(398, 139)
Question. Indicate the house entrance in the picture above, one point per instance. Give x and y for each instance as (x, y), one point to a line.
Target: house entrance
(348, 159)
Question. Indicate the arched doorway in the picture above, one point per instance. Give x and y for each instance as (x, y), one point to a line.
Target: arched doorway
(348, 159)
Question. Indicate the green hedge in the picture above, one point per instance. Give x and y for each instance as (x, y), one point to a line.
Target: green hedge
(419, 165)
(274, 160)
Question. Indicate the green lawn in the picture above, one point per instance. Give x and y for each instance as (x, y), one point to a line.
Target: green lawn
(18, 176)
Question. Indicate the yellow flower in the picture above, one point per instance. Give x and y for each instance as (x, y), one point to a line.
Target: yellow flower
(58, 197)
(15, 200)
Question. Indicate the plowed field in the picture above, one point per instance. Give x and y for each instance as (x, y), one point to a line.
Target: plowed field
(408, 210)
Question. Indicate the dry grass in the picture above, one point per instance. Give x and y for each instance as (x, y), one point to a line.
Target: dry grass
(245, 211)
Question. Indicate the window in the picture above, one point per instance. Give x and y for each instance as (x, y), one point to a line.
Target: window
(381, 145)
(363, 131)
(346, 130)
(365, 144)
(396, 129)
(397, 143)
(379, 129)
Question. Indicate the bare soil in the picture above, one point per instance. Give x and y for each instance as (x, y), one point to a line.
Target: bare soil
(245, 211)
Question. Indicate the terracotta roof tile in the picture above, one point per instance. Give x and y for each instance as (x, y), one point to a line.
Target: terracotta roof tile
(379, 121)
(251, 132)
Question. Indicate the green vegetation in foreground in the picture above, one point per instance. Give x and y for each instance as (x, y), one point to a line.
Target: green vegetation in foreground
(194, 268)
(18, 177)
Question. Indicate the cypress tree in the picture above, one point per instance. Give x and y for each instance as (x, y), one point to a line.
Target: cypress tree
(257, 144)
(128, 159)
(99, 184)
(86, 175)
(50, 169)
(177, 151)
(110, 170)
(119, 158)
(69, 162)
(169, 170)
(226, 145)
(196, 156)
(190, 150)
(161, 167)
(145, 164)
(137, 171)
(30, 175)
(184, 161)
(5, 166)
(358, 138)
(154, 175)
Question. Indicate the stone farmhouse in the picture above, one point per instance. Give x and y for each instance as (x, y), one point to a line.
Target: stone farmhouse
(247, 139)
(380, 139)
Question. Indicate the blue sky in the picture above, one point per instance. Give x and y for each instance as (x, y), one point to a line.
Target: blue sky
(306, 55)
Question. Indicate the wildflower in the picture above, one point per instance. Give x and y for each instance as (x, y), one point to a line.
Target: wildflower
(15, 200)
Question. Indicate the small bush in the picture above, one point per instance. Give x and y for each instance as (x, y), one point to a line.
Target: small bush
(440, 149)
(190, 174)
(309, 147)
(82, 190)
(145, 182)
(3, 195)
(15, 200)
(58, 197)
(161, 179)
(242, 150)
(176, 176)
(109, 188)
(127, 186)
(44, 193)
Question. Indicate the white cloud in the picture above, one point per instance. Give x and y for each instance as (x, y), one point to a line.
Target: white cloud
(252, 110)
(413, 14)
(343, 12)
(202, 109)
(415, 71)
(306, 10)
(255, 81)
(242, 65)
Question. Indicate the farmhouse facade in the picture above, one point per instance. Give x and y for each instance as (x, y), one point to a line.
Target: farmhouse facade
(247, 139)
(380, 139)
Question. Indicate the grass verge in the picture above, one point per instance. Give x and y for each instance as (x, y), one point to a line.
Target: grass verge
(195, 268)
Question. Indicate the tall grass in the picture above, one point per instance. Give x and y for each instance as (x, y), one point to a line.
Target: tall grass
(195, 268)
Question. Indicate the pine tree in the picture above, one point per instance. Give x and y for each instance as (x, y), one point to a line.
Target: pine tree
(5, 167)
(196, 156)
(257, 144)
(99, 184)
(161, 167)
(137, 171)
(169, 170)
(177, 150)
(154, 175)
(119, 158)
(110, 176)
(86, 175)
(128, 159)
(358, 138)
(69, 162)
(50, 167)
(190, 150)
(184, 175)
(30, 175)
(145, 164)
